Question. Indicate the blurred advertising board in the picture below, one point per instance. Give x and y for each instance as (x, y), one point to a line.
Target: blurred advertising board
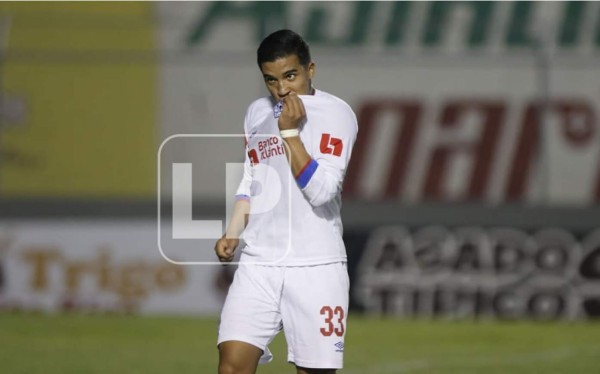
(493, 102)
(79, 117)
(432, 271)
(100, 267)
(476, 272)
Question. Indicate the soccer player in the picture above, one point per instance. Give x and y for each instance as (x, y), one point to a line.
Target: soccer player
(292, 272)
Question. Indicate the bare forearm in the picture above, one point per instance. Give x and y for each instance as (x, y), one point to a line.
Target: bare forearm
(239, 219)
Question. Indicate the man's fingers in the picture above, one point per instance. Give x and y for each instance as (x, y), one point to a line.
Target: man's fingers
(301, 107)
(228, 251)
(225, 250)
(225, 258)
(294, 105)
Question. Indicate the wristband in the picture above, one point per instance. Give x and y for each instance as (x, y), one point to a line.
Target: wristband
(289, 133)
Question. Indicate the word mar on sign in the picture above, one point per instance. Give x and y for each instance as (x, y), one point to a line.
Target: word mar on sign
(500, 143)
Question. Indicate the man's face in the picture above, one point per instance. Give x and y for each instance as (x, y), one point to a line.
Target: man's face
(286, 75)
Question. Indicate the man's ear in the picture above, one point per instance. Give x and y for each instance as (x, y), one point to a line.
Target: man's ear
(311, 69)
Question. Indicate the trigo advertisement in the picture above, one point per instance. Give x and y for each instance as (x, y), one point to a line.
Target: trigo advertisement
(101, 267)
(433, 271)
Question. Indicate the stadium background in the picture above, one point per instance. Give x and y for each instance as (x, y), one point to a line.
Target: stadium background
(472, 193)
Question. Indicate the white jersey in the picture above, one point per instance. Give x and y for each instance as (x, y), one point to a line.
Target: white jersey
(295, 220)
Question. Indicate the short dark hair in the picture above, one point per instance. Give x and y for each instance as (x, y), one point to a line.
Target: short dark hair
(280, 44)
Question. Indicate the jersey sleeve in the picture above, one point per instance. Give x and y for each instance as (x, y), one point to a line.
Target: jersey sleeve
(243, 191)
(321, 178)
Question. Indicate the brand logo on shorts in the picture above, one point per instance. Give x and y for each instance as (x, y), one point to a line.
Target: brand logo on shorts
(339, 346)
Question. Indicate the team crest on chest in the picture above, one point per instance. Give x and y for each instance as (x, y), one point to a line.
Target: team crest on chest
(277, 109)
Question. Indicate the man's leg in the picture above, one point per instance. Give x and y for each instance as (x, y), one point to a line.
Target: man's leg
(300, 370)
(314, 307)
(237, 357)
(250, 319)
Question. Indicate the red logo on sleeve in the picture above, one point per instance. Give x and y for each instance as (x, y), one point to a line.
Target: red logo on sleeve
(331, 145)
(253, 156)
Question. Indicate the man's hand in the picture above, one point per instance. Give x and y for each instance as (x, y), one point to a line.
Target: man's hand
(225, 249)
(293, 112)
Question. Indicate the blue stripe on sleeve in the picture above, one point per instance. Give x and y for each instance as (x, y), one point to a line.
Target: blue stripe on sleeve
(307, 173)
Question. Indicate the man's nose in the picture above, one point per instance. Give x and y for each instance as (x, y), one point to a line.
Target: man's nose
(282, 90)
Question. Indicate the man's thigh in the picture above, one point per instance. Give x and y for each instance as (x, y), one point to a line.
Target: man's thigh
(314, 308)
(251, 310)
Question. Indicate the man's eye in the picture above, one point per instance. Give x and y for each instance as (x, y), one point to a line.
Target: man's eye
(291, 77)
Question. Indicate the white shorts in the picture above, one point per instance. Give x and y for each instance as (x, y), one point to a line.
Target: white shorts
(310, 303)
